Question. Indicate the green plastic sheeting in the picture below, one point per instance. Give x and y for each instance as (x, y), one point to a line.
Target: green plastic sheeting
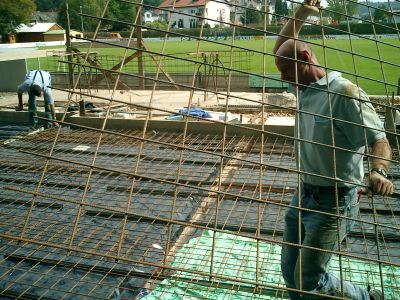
(235, 257)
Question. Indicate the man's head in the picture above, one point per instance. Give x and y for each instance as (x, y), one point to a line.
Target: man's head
(36, 90)
(292, 54)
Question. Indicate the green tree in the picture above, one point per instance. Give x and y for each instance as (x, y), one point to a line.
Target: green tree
(380, 14)
(251, 16)
(342, 8)
(13, 13)
(158, 25)
(48, 5)
(75, 6)
(281, 8)
(120, 11)
(152, 2)
(116, 11)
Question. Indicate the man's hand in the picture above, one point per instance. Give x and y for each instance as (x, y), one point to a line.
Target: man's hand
(19, 108)
(292, 28)
(310, 7)
(379, 185)
(56, 124)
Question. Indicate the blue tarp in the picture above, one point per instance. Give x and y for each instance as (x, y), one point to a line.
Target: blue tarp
(195, 111)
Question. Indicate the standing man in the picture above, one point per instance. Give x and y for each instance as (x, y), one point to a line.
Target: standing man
(333, 112)
(37, 83)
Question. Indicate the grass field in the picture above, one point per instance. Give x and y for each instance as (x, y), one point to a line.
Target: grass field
(363, 62)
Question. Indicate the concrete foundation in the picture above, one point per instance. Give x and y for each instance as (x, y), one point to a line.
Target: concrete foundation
(11, 117)
(12, 74)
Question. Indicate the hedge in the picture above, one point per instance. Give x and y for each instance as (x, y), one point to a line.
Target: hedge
(362, 28)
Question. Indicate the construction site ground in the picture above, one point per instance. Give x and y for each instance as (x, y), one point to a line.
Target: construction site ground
(132, 104)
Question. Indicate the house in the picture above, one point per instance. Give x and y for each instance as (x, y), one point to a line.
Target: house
(150, 16)
(35, 32)
(213, 12)
(238, 9)
(395, 18)
(59, 35)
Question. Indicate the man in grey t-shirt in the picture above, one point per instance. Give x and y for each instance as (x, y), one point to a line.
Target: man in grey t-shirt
(335, 123)
(37, 83)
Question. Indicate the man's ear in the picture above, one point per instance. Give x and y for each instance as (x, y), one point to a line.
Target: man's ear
(306, 56)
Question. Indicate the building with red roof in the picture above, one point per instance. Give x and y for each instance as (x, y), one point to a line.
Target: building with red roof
(190, 13)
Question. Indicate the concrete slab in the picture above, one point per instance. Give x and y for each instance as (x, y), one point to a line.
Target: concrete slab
(161, 102)
(287, 121)
(23, 53)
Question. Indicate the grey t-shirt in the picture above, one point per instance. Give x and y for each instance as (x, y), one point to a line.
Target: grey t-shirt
(319, 159)
(40, 78)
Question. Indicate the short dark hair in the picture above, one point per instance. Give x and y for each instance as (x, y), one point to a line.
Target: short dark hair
(36, 90)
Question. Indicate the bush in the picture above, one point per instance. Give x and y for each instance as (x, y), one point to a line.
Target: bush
(312, 30)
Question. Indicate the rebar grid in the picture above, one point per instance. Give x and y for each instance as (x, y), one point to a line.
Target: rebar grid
(50, 230)
(94, 212)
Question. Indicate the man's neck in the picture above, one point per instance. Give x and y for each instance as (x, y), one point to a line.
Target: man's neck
(317, 74)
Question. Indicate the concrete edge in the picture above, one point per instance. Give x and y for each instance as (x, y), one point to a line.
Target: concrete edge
(204, 127)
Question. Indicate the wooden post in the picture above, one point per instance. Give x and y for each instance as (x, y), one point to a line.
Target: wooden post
(82, 108)
(140, 47)
(68, 45)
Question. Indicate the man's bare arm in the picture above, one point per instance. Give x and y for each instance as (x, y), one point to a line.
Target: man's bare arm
(379, 184)
(20, 103)
(292, 28)
(53, 114)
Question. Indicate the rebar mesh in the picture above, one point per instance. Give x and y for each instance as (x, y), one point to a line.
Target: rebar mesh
(194, 210)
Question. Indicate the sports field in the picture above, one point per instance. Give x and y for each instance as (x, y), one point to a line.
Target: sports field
(377, 64)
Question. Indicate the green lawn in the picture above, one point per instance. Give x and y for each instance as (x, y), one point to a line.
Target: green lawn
(251, 59)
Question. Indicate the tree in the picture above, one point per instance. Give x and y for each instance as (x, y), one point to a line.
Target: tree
(158, 25)
(251, 16)
(13, 13)
(342, 8)
(48, 5)
(89, 7)
(123, 12)
(380, 14)
(116, 11)
(152, 2)
(281, 8)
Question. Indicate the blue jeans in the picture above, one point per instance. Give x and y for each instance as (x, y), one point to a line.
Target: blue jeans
(318, 231)
(32, 109)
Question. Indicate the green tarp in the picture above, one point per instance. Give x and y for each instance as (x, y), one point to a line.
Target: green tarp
(236, 257)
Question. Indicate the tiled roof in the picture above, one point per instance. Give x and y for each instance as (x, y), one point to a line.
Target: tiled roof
(38, 27)
(183, 3)
(46, 16)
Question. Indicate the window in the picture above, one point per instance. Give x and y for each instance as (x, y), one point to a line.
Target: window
(193, 23)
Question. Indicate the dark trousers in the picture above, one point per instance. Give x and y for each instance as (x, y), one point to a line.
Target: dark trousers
(321, 232)
(32, 108)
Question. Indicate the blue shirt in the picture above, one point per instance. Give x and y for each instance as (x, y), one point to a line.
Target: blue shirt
(40, 78)
(319, 159)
